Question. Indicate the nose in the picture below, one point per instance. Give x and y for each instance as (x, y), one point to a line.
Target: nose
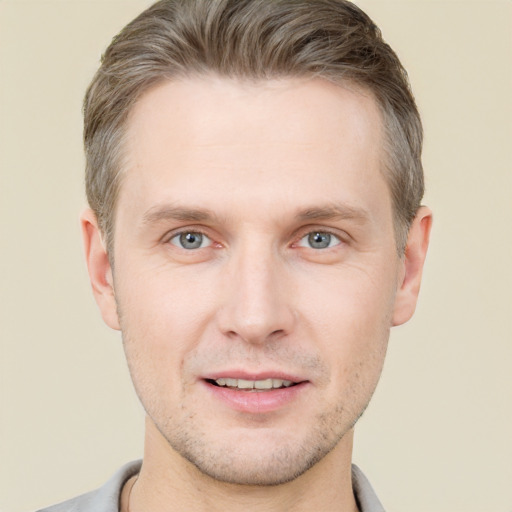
(257, 304)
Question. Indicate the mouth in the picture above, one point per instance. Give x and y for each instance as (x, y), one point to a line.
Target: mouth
(256, 393)
(263, 385)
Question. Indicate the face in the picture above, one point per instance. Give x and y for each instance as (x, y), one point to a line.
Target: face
(256, 272)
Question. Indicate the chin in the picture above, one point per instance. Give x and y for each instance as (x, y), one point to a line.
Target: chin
(265, 469)
(256, 457)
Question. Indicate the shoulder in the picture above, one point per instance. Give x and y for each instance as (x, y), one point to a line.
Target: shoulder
(104, 499)
(363, 491)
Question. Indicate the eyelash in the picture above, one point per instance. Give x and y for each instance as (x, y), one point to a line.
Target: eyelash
(297, 243)
(189, 232)
(321, 232)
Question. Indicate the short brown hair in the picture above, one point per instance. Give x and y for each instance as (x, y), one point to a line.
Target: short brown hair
(250, 39)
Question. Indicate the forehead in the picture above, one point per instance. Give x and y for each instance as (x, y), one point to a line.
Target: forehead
(211, 136)
(211, 108)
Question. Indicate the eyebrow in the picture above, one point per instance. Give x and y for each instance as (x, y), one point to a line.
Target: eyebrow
(166, 212)
(334, 212)
(169, 212)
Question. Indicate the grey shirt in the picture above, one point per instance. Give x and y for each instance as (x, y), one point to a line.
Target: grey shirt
(106, 498)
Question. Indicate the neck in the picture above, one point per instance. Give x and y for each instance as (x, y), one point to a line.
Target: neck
(168, 482)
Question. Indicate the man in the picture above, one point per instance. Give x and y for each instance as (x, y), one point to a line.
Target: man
(254, 177)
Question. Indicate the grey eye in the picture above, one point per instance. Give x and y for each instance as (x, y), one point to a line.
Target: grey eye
(319, 240)
(190, 240)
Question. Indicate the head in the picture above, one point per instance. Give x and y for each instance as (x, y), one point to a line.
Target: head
(250, 40)
(253, 169)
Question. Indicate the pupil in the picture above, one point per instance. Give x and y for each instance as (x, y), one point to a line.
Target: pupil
(191, 240)
(319, 240)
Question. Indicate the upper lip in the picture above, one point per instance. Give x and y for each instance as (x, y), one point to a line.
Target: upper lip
(262, 375)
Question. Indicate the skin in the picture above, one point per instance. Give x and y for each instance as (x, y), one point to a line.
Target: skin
(255, 168)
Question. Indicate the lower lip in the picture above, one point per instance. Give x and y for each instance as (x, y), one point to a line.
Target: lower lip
(257, 401)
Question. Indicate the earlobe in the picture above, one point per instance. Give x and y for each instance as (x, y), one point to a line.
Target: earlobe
(414, 258)
(100, 271)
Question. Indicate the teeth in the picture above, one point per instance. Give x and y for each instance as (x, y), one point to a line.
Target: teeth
(245, 384)
(263, 384)
(254, 384)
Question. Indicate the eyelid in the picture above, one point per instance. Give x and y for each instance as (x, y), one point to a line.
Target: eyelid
(205, 240)
(169, 235)
(304, 241)
(342, 236)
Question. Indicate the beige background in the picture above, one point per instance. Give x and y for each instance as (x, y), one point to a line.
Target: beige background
(438, 434)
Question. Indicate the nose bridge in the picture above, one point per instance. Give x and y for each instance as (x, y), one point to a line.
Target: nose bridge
(257, 303)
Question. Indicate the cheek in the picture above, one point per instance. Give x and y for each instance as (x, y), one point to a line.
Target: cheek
(349, 316)
(350, 301)
(162, 320)
(160, 301)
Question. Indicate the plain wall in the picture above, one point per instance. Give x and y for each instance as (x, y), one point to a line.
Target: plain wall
(437, 436)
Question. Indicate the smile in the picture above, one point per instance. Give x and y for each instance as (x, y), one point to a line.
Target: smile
(256, 396)
(252, 385)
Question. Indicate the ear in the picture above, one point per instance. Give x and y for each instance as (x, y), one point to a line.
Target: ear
(100, 271)
(413, 260)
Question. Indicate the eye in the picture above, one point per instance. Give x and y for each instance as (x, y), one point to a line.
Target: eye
(190, 240)
(319, 240)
